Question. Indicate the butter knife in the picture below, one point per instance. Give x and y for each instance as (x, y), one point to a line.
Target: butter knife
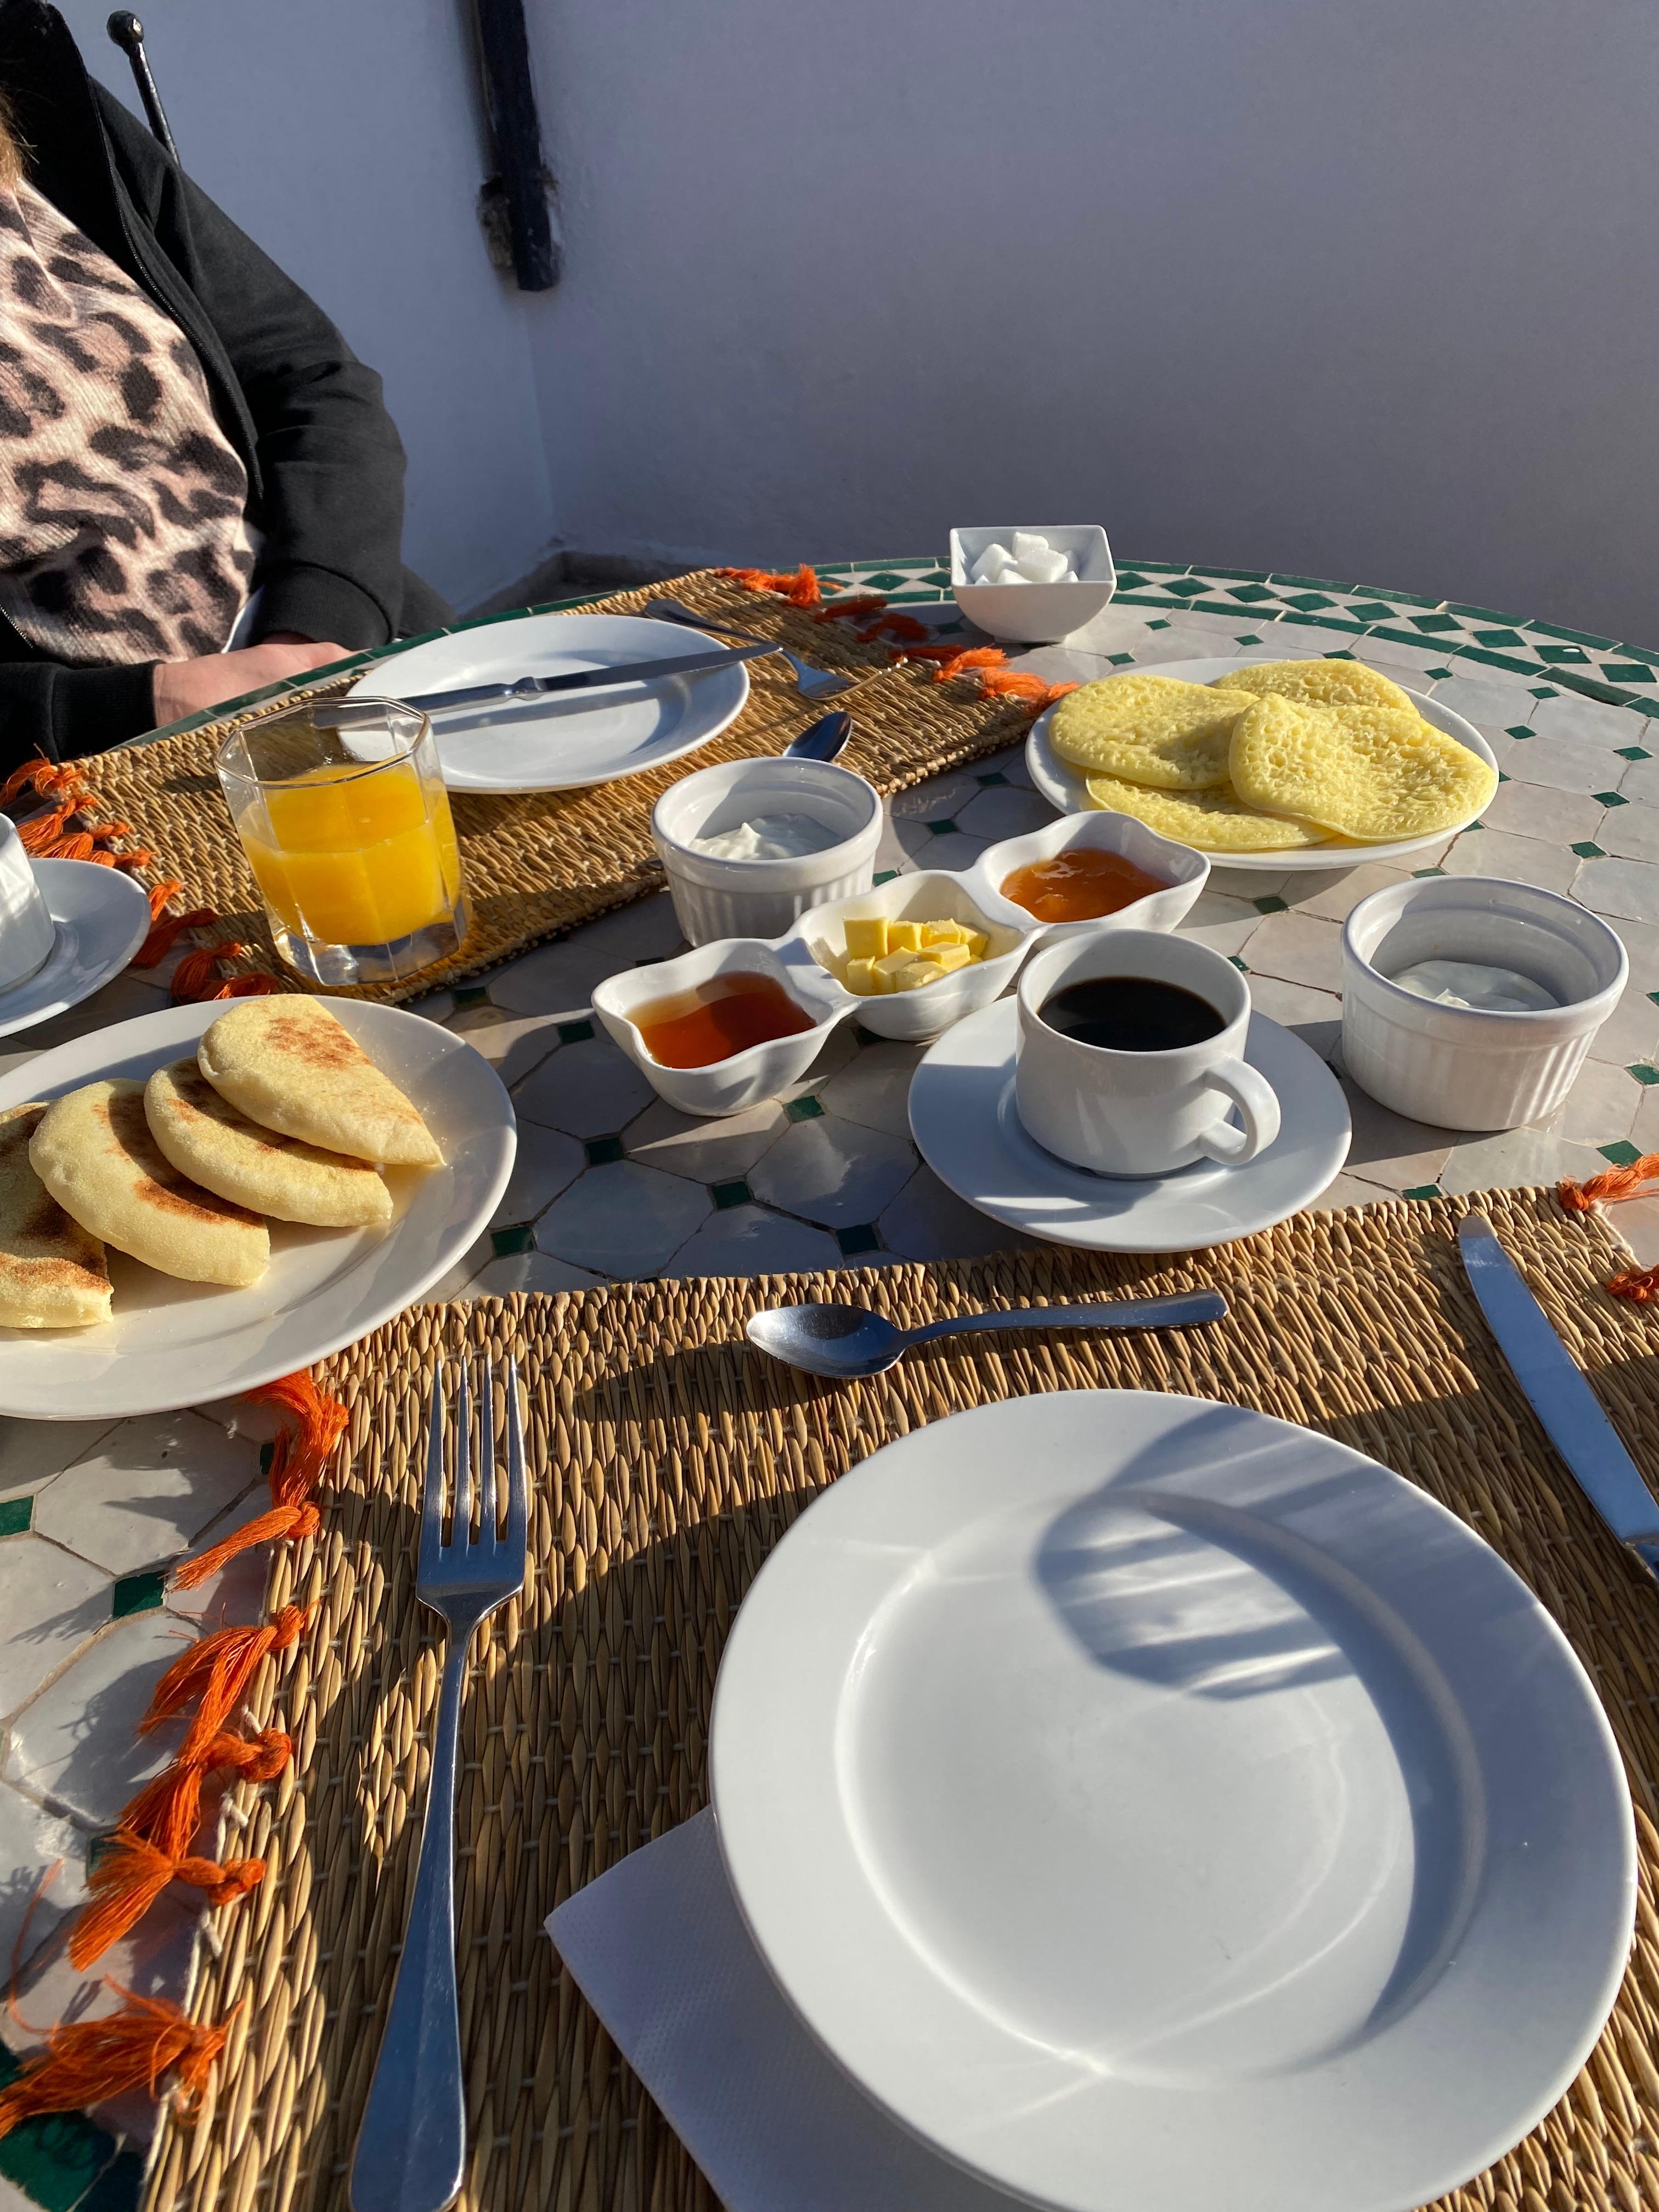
(1558, 1394)
(340, 711)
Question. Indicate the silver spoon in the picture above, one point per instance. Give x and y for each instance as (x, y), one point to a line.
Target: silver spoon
(823, 740)
(845, 1341)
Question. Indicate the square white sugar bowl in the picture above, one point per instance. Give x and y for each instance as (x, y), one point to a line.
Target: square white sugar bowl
(1035, 614)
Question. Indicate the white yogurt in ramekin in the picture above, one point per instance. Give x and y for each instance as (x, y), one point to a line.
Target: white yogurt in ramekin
(1471, 1067)
(719, 893)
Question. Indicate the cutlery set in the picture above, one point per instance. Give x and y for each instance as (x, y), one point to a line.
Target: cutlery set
(411, 2147)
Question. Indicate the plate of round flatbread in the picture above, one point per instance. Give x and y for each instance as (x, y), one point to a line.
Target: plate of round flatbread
(205, 1199)
(1278, 767)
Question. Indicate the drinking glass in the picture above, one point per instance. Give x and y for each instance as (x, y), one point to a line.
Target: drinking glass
(348, 833)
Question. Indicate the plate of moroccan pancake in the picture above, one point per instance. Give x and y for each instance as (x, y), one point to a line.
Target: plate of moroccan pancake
(1267, 765)
(200, 1200)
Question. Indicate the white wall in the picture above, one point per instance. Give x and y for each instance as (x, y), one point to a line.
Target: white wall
(344, 136)
(1364, 288)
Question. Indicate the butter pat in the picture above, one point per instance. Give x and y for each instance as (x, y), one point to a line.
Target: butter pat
(867, 937)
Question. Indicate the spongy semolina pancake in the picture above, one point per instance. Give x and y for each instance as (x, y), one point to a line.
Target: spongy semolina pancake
(289, 1064)
(94, 1153)
(1371, 773)
(1318, 683)
(52, 1272)
(1153, 730)
(206, 1138)
(1214, 821)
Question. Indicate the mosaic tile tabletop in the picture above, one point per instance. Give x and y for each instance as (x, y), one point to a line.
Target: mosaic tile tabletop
(610, 1184)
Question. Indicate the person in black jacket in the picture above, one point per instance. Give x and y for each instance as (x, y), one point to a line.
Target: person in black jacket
(190, 456)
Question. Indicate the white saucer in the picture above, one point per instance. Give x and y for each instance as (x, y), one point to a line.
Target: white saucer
(102, 917)
(964, 1121)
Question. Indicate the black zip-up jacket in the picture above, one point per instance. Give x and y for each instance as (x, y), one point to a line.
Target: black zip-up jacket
(325, 465)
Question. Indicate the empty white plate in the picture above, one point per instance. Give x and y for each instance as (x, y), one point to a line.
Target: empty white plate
(1064, 786)
(563, 744)
(1158, 1807)
(101, 918)
(968, 1129)
(171, 1343)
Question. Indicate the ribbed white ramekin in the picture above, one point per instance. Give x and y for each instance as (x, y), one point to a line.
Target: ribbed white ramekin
(715, 898)
(1459, 1066)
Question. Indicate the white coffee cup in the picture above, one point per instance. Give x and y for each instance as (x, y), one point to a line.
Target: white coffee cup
(27, 930)
(1140, 1113)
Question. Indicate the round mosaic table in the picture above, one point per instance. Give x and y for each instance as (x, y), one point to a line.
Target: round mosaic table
(611, 1184)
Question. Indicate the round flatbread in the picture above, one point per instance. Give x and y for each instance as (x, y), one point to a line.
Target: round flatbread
(204, 1137)
(95, 1155)
(289, 1064)
(52, 1273)
(1318, 683)
(1153, 730)
(1374, 773)
(1213, 821)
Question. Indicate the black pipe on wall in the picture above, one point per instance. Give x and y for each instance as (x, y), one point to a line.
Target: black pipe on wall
(517, 196)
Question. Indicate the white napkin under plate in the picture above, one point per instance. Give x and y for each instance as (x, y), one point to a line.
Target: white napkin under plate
(663, 1957)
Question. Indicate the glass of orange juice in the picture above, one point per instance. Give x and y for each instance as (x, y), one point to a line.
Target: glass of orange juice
(350, 837)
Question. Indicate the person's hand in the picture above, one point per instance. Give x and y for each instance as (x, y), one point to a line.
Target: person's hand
(185, 687)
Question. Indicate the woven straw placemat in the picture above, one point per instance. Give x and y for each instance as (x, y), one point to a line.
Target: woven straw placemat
(537, 863)
(668, 1458)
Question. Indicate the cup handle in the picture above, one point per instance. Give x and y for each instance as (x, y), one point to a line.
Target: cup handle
(1258, 1108)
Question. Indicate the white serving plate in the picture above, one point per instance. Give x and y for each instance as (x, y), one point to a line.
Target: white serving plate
(1063, 786)
(102, 917)
(172, 1344)
(563, 744)
(967, 1127)
(1194, 1813)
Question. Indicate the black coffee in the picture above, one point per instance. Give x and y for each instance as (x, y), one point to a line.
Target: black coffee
(1132, 1013)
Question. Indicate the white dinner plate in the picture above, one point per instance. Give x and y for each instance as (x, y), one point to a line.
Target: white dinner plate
(1158, 1807)
(173, 1344)
(563, 744)
(101, 918)
(1063, 785)
(968, 1129)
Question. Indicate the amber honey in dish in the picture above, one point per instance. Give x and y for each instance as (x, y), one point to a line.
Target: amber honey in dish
(727, 1014)
(1080, 885)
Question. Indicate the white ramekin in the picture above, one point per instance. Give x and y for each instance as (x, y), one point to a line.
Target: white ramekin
(715, 898)
(1459, 1066)
(729, 1086)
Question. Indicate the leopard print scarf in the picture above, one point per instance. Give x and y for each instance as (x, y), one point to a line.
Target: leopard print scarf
(123, 526)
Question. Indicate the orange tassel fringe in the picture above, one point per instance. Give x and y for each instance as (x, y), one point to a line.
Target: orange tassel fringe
(217, 1670)
(129, 1877)
(1604, 1189)
(94, 2059)
(198, 975)
(297, 1460)
(801, 589)
(168, 1812)
(798, 587)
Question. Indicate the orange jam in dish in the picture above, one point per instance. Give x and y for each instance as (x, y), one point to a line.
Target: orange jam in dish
(1080, 885)
(727, 1014)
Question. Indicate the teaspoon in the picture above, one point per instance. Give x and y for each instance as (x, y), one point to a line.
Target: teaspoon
(843, 1341)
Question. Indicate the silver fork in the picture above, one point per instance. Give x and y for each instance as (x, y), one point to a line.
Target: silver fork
(812, 682)
(411, 2147)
